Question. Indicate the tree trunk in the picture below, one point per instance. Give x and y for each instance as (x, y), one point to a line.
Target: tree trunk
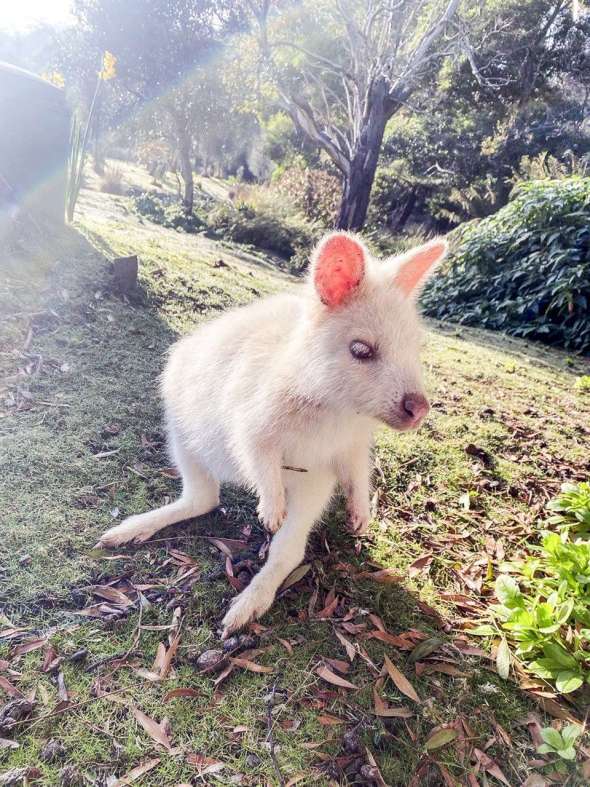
(186, 166)
(402, 213)
(97, 147)
(359, 180)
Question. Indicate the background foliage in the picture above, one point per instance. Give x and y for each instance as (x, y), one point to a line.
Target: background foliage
(525, 270)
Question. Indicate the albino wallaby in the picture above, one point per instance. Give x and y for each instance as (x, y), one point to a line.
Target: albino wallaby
(296, 380)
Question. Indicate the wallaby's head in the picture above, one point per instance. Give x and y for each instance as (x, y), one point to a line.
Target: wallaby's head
(362, 330)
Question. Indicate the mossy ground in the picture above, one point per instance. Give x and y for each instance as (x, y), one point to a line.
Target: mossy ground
(82, 446)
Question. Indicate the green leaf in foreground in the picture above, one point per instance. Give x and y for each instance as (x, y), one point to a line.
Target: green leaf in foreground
(440, 738)
(503, 659)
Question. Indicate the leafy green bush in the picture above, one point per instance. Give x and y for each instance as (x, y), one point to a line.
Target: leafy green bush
(545, 610)
(168, 214)
(526, 269)
(287, 236)
(572, 509)
(560, 743)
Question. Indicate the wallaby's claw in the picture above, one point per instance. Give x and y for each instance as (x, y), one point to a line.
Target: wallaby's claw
(272, 517)
(249, 605)
(357, 524)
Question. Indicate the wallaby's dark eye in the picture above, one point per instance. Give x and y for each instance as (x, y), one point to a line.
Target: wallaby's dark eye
(361, 350)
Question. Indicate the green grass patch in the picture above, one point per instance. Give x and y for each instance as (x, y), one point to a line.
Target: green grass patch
(81, 446)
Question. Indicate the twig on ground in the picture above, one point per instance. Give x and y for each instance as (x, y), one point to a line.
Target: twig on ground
(270, 737)
(115, 657)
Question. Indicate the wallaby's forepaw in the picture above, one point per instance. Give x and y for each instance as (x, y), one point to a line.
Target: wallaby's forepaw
(130, 530)
(357, 522)
(272, 515)
(249, 605)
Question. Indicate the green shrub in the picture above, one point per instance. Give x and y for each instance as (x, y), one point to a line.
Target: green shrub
(560, 743)
(572, 509)
(286, 236)
(545, 610)
(167, 213)
(526, 269)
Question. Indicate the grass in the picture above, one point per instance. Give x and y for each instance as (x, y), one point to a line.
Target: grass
(82, 446)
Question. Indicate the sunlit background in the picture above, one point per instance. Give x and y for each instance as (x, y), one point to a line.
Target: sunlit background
(29, 13)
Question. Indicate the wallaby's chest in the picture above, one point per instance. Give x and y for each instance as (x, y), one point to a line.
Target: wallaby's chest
(321, 442)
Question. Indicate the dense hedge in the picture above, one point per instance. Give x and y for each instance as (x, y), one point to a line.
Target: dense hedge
(167, 211)
(287, 236)
(525, 270)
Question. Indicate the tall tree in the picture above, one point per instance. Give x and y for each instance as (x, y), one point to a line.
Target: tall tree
(159, 47)
(349, 78)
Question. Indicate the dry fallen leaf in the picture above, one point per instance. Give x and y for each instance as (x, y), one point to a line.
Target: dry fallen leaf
(425, 648)
(440, 666)
(137, 772)
(348, 646)
(205, 764)
(391, 639)
(296, 779)
(330, 605)
(173, 693)
(555, 709)
(338, 664)
(11, 632)
(535, 780)
(169, 656)
(111, 594)
(400, 680)
(490, 766)
(376, 776)
(290, 725)
(252, 666)
(287, 645)
(295, 576)
(28, 646)
(154, 730)
(420, 564)
(229, 546)
(7, 686)
(386, 576)
(384, 710)
(334, 679)
(327, 720)
(159, 659)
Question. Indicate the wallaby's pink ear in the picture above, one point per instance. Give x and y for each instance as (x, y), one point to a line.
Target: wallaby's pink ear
(338, 268)
(417, 265)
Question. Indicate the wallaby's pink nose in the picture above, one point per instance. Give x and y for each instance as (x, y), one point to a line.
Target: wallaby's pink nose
(415, 407)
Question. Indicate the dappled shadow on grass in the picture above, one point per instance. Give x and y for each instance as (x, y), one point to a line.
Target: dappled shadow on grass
(73, 428)
(87, 449)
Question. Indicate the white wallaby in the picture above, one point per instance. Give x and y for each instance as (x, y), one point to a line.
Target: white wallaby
(296, 380)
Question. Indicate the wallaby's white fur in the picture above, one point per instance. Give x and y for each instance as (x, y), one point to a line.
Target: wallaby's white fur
(274, 384)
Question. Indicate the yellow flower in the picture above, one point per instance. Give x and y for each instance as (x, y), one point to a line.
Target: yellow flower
(109, 67)
(54, 77)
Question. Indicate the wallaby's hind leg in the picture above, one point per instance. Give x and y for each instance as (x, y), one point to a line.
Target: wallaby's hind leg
(200, 494)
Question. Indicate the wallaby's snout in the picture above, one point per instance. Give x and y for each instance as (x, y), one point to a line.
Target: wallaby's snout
(408, 413)
(414, 408)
